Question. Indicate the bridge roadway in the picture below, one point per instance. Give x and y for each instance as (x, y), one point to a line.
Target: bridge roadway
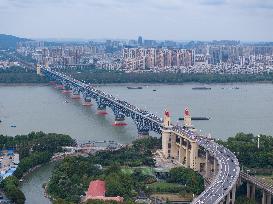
(228, 165)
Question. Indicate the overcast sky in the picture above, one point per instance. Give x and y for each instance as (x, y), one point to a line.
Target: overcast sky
(246, 20)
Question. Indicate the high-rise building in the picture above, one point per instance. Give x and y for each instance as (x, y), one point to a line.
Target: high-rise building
(140, 41)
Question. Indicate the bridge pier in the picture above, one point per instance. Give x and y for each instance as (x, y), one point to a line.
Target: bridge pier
(267, 198)
(207, 171)
(52, 82)
(75, 94)
(233, 195)
(119, 121)
(59, 86)
(214, 167)
(228, 198)
(87, 101)
(67, 89)
(248, 190)
(253, 191)
(101, 110)
(143, 134)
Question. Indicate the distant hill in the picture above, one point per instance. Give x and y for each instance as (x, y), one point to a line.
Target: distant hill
(10, 41)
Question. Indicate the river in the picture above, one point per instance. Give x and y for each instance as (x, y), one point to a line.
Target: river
(42, 108)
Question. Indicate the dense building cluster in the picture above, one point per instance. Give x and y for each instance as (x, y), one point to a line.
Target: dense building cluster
(156, 58)
(232, 57)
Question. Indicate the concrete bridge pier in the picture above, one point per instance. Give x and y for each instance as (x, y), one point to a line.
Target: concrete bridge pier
(207, 171)
(59, 86)
(230, 198)
(119, 121)
(214, 167)
(52, 82)
(250, 191)
(101, 110)
(87, 101)
(267, 198)
(143, 134)
(75, 94)
(67, 89)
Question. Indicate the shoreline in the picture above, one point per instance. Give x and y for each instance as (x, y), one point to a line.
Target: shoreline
(24, 84)
(143, 84)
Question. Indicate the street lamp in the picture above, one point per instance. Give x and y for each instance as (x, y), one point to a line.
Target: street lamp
(258, 141)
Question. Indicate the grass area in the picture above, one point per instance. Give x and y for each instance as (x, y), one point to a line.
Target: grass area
(163, 187)
(144, 170)
(147, 171)
(128, 171)
(267, 179)
(173, 197)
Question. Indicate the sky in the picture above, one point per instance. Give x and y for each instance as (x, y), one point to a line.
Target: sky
(245, 20)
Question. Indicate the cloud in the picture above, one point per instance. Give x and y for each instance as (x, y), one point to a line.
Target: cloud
(212, 2)
(154, 19)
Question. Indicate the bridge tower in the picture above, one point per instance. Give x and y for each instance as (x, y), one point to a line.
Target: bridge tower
(166, 135)
(187, 118)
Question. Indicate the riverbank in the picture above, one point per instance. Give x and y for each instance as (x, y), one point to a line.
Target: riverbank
(143, 84)
(24, 84)
(166, 78)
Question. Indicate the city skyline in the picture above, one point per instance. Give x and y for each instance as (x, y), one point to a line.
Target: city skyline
(120, 19)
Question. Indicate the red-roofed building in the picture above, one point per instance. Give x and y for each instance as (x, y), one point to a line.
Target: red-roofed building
(96, 191)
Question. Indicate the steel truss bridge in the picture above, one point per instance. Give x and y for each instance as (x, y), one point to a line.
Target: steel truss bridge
(224, 182)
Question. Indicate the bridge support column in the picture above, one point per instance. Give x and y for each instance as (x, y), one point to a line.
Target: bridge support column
(214, 166)
(253, 191)
(87, 101)
(187, 155)
(248, 190)
(228, 198)
(233, 195)
(166, 135)
(75, 94)
(207, 165)
(181, 155)
(59, 86)
(143, 134)
(67, 89)
(264, 198)
(119, 121)
(166, 143)
(268, 199)
(101, 110)
(193, 157)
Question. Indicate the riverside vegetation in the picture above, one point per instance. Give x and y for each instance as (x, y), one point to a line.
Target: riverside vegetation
(258, 161)
(17, 74)
(35, 149)
(99, 76)
(127, 172)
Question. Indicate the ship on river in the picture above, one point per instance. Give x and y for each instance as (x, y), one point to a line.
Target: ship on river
(201, 88)
(132, 87)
